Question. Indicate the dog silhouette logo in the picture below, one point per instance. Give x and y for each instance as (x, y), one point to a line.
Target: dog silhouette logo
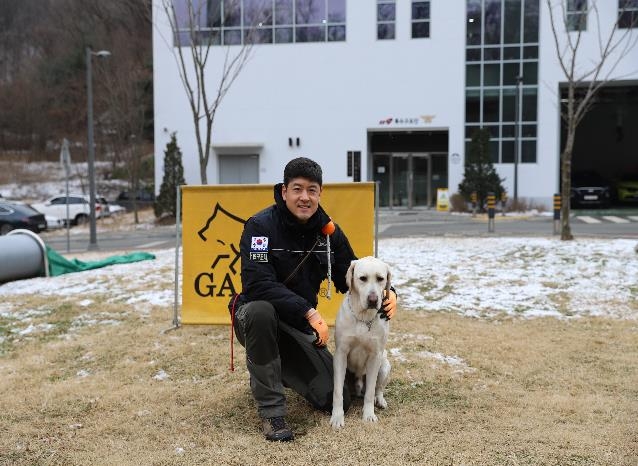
(222, 227)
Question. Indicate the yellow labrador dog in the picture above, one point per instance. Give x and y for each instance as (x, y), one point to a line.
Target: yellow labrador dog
(361, 334)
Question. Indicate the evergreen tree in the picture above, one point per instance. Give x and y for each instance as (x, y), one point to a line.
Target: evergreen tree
(166, 202)
(480, 175)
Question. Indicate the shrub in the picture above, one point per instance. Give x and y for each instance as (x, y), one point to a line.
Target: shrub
(458, 203)
(166, 202)
(480, 175)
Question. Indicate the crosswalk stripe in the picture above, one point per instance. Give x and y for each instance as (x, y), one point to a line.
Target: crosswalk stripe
(614, 219)
(588, 219)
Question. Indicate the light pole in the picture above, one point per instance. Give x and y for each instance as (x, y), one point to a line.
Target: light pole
(89, 111)
(517, 112)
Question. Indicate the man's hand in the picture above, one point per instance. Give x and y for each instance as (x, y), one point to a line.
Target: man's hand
(319, 326)
(389, 304)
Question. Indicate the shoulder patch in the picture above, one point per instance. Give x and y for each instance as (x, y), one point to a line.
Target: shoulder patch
(259, 243)
(259, 249)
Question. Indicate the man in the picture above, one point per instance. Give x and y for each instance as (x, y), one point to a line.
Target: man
(284, 258)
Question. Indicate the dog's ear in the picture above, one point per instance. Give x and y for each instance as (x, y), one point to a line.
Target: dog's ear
(388, 277)
(350, 275)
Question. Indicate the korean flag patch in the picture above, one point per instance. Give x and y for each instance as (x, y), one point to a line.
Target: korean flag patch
(259, 243)
(259, 249)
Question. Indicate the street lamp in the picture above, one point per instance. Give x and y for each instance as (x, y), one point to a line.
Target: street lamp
(517, 111)
(89, 111)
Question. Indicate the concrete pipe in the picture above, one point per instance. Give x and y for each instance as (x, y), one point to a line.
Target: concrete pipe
(22, 255)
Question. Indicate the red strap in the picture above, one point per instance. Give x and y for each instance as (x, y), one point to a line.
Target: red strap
(232, 334)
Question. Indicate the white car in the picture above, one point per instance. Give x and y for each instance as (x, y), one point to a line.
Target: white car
(53, 223)
(79, 211)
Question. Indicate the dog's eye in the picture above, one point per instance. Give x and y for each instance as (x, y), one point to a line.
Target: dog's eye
(380, 278)
(363, 278)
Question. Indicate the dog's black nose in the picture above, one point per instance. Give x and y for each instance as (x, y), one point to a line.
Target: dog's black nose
(373, 301)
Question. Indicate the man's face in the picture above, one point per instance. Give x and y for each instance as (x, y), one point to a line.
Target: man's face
(302, 198)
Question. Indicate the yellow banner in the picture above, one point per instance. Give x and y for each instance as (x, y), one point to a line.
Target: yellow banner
(213, 218)
(442, 200)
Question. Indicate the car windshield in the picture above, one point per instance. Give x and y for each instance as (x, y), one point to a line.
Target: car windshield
(588, 179)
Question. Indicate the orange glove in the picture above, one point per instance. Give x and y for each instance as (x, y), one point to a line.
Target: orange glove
(319, 326)
(389, 307)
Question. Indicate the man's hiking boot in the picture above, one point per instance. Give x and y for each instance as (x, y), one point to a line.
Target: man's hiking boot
(276, 430)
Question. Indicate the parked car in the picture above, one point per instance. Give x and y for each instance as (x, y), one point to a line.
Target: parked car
(627, 188)
(53, 223)
(79, 210)
(105, 208)
(589, 189)
(13, 216)
(143, 198)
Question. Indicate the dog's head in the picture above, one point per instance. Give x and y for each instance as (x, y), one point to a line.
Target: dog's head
(367, 278)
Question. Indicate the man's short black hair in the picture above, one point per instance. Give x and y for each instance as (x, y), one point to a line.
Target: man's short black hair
(303, 167)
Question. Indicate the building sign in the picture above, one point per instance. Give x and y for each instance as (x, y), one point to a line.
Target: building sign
(212, 223)
(407, 121)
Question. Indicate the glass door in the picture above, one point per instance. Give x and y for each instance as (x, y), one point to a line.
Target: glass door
(409, 179)
(401, 181)
(422, 188)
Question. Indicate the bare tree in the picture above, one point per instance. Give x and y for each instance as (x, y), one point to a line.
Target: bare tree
(583, 78)
(193, 42)
(42, 67)
(127, 91)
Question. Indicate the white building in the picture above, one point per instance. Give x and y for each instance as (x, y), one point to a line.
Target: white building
(400, 84)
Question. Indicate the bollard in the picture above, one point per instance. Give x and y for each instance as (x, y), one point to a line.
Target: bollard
(557, 205)
(503, 202)
(491, 204)
(473, 198)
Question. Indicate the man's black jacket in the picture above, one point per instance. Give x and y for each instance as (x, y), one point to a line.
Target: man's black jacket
(273, 244)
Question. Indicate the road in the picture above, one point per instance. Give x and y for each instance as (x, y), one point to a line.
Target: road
(392, 224)
(156, 238)
(609, 224)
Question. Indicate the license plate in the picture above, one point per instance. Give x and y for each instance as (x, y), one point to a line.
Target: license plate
(42, 225)
(590, 197)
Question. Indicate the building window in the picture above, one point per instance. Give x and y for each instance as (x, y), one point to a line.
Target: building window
(420, 19)
(627, 14)
(236, 22)
(386, 19)
(501, 76)
(576, 15)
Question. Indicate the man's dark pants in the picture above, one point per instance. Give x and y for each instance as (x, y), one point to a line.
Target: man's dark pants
(278, 356)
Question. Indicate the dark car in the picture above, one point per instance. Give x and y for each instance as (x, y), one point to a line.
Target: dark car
(13, 216)
(143, 198)
(589, 189)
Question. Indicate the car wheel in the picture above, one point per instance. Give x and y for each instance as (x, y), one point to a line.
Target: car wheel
(81, 219)
(5, 228)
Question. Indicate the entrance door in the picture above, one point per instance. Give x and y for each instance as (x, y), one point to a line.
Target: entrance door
(409, 179)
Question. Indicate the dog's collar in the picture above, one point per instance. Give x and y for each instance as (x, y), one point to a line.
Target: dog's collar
(367, 323)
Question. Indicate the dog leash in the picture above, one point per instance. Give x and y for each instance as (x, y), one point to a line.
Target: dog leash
(327, 230)
(232, 334)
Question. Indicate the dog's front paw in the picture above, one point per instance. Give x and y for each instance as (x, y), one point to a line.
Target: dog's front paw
(337, 420)
(368, 414)
(380, 402)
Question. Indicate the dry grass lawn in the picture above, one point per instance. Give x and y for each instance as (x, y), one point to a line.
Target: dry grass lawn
(515, 392)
